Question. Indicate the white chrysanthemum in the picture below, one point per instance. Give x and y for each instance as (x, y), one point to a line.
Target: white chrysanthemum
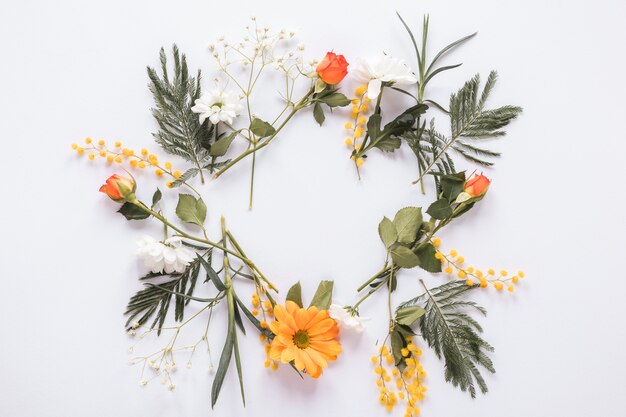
(169, 256)
(218, 106)
(347, 319)
(384, 68)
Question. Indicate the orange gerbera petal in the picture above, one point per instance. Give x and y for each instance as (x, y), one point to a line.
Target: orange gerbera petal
(304, 337)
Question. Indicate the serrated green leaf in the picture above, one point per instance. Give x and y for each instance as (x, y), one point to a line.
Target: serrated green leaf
(452, 185)
(408, 315)
(335, 100)
(220, 147)
(132, 212)
(318, 114)
(323, 296)
(261, 128)
(407, 222)
(190, 209)
(295, 294)
(428, 262)
(388, 233)
(440, 209)
(404, 257)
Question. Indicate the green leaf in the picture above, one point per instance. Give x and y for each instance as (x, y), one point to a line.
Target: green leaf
(440, 209)
(407, 222)
(318, 114)
(190, 209)
(295, 294)
(323, 296)
(388, 144)
(227, 353)
(335, 100)
(156, 197)
(220, 147)
(404, 257)
(428, 262)
(132, 212)
(261, 128)
(212, 275)
(452, 185)
(397, 344)
(408, 315)
(388, 233)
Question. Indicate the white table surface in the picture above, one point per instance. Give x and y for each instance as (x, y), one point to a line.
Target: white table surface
(73, 69)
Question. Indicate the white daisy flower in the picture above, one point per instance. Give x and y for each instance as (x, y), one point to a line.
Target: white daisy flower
(218, 106)
(169, 256)
(384, 68)
(347, 319)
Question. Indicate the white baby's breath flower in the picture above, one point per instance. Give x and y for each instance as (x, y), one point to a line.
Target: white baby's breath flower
(347, 319)
(168, 256)
(218, 106)
(384, 68)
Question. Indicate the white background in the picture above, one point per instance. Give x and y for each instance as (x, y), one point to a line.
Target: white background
(556, 206)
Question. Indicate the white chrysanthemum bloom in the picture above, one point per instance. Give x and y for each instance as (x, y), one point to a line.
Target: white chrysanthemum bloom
(218, 106)
(169, 256)
(384, 68)
(347, 319)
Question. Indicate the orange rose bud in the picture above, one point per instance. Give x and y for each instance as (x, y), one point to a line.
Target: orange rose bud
(119, 188)
(477, 185)
(333, 68)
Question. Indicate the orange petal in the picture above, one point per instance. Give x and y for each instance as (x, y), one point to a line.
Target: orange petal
(274, 327)
(329, 349)
(321, 327)
(319, 316)
(291, 307)
(276, 351)
(312, 368)
(288, 354)
(299, 360)
(316, 357)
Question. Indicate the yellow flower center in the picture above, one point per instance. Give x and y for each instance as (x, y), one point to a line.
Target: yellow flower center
(301, 339)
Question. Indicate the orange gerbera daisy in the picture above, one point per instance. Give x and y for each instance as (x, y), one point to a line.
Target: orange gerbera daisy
(305, 336)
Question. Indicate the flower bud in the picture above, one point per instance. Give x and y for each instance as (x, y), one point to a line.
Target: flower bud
(333, 68)
(477, 185)
(119, 188)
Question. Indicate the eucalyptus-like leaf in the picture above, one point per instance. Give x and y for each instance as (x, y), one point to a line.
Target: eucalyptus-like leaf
(409, 315)
(295, 294)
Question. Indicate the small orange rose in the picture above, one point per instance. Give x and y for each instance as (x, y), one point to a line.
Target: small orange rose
(477, 185)
(333, 68)
(119, 188)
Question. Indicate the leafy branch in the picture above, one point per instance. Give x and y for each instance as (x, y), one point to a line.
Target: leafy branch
(180, 131)
(454, 335)
(470, 122)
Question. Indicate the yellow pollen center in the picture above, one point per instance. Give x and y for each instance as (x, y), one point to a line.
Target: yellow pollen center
(301, 339)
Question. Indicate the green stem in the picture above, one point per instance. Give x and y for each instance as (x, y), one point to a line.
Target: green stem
(187, 235)
(302, 104)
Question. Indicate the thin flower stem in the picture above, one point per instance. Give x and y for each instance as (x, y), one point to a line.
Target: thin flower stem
(302, 104)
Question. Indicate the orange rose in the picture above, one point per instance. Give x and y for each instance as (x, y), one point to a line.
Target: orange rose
(333, 68)
(119, 188)
(477, 185)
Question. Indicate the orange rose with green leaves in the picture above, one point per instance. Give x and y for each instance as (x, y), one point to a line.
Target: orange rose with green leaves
(119, 188)
(333, 68)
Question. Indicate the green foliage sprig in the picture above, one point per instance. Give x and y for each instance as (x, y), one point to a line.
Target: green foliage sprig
(180, 131)
(453, 334)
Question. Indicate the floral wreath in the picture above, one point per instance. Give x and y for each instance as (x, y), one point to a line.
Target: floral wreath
(199, 128)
